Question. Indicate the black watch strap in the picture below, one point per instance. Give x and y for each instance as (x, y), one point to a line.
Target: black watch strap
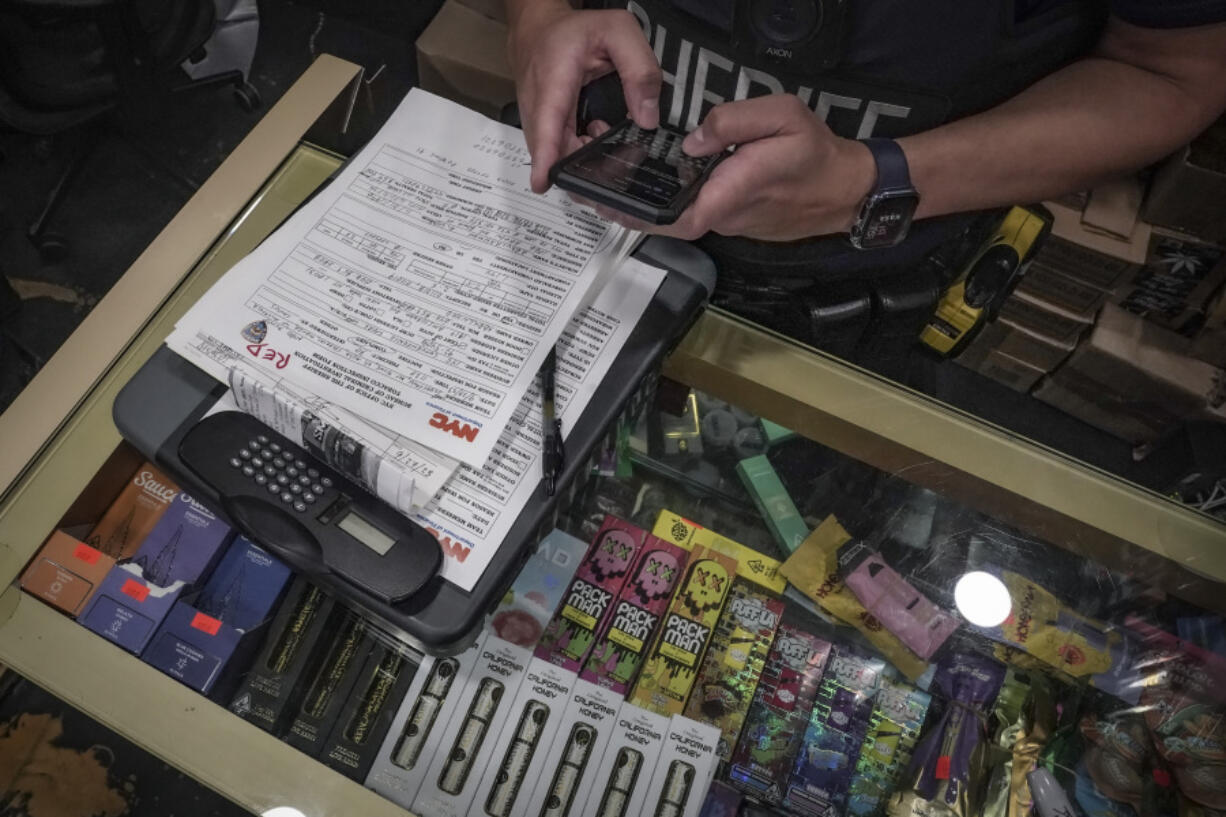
(892, 170)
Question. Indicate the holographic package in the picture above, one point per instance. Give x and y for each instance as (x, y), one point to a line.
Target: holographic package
(822, 774)
(622, 644)
(893, 729)
(670, 672)
(588, 603)
(734, 663)
(779, 714)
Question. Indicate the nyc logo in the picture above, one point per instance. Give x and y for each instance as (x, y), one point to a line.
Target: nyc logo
(462, 430)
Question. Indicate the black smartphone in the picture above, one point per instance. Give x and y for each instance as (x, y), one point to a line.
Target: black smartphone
(643, 173)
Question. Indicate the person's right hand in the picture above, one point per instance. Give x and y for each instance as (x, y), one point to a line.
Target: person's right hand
(554, 51)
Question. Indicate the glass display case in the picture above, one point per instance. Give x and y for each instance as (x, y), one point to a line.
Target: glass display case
(917, 609)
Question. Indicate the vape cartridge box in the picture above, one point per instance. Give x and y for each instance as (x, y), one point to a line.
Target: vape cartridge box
(630, 758)
(589, 600)
(893, 730)
(622, 645)
(826, 764)
(199, 637)
(330, 685)
(668, 676)
(466, 745)
(134, 513)
(773, 502)
(752, 566)
(66, 572)
(734, 662)
(722, 801)
(266, 693)
(521, 753)
(136, 596)
(779, 714)
(685, 770)
(578, 748)
(367, 715)
(416, 734)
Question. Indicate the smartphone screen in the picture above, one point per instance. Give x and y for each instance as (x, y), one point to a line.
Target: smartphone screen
(643, 172)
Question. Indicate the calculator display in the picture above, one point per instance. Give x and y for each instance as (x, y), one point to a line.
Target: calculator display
(646, 165)
(361, 529)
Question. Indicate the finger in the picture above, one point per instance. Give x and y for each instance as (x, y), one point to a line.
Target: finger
(597, 127)
(735, 123)
(551, 129)
(637, 67)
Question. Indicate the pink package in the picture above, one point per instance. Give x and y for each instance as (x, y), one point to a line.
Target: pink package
(588, 602)
(900, 608)
(623, 641)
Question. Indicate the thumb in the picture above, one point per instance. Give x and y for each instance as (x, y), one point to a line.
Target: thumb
(735, 123)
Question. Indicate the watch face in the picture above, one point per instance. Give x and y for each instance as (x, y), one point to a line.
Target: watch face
(887, 220)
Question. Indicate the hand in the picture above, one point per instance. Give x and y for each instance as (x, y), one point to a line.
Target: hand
(554, 51)
(790, 177)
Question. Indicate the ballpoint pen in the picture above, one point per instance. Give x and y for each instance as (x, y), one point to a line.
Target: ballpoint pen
(554, 455)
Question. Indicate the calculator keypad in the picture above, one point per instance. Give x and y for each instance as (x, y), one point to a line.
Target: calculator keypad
(277, 471)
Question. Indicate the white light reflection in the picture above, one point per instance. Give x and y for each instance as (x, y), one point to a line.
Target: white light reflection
(982, 599)
(283, 811)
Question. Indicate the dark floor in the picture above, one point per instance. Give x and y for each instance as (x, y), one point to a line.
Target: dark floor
(54, 761)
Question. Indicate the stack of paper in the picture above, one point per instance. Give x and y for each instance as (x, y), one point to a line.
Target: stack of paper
(396, 323)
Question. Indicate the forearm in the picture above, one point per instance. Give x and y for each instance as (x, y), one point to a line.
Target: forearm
(1100, 117)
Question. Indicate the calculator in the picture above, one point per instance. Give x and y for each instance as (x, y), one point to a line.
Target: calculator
(283, 498)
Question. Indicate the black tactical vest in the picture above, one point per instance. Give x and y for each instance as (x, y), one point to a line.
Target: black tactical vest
(899, 67)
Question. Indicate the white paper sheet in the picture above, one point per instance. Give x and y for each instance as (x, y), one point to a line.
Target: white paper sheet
(477, 506)
(421, 290)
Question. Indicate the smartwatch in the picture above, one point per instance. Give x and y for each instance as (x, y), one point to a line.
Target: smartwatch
(886, 214)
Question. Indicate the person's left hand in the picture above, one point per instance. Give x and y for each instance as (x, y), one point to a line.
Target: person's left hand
(790, 177)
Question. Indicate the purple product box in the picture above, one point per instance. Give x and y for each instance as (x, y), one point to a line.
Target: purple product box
(199, 637)
(588, 603)
(136, 596)
(624, 639)
(826, 764)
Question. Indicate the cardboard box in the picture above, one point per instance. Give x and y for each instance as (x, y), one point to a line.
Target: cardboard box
(493, 9)
(198, 638)
(465, 746)
(1055, 325)
(1176, 285)
(685, 769)
(825, 768)
(779, 714)
(521, 754)
(66, 572)
(1018, 343)
(756, 568)
(135, 597)
(1087, 253)
(579, 747)
(1186, 195)
(133, 514)
(668, 677)
(734, 663)
(622, 644)
(266, 695)
(462, 55)
(1055, 288)
(991, 362)
(624, 773)
(344, 654)
(589, 601)
(366, 717)
(773, 502)
(1134, 379)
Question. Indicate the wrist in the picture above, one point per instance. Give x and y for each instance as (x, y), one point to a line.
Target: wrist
(859, 176)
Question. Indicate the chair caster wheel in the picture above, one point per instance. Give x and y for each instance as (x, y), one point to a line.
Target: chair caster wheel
(247, 97)
(51, 248)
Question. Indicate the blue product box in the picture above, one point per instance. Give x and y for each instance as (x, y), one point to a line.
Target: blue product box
(199, 636)
(137, 595)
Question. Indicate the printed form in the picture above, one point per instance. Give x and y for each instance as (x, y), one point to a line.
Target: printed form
(421, 290)
(473, 513)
